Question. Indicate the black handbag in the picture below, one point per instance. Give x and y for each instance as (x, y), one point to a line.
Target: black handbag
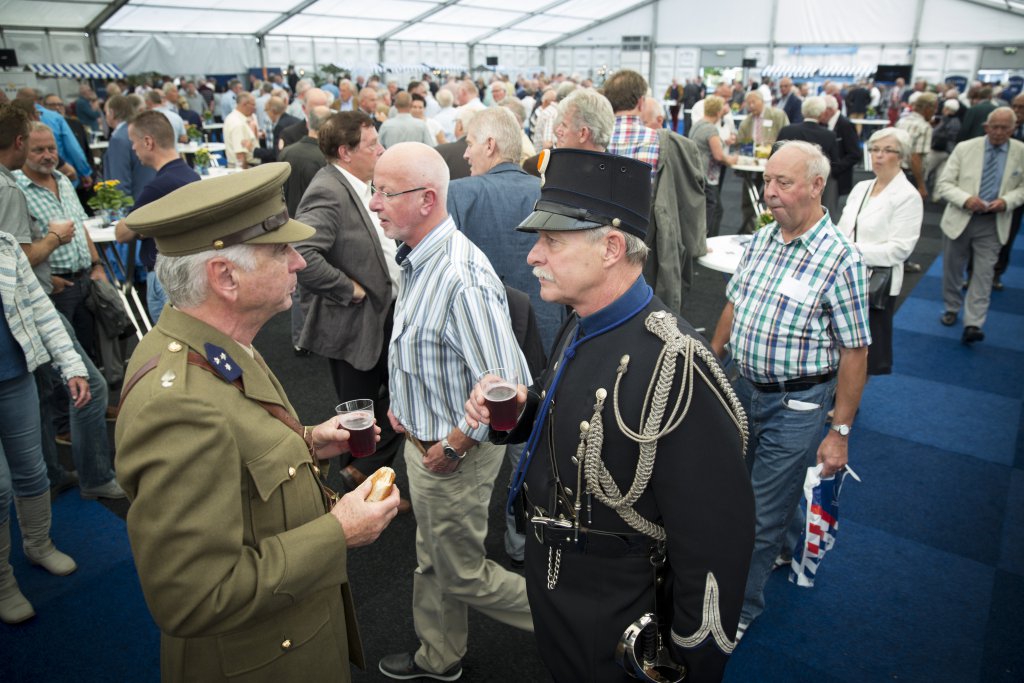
(880, 277)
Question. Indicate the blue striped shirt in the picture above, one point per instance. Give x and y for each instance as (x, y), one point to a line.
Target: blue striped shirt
(451, 324)
(796, 304)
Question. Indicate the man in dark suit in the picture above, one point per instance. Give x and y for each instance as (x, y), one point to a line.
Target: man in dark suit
(789, 101)
(315, 97)
(349, 282)
(275, 108)
(306, 160)
(812, 131)
(454, 153)
(847, 141)
(974, 120)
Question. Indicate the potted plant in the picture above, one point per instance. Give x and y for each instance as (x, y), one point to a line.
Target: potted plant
(109, 201)
(203, 161)
(766, 218)
(193, 133)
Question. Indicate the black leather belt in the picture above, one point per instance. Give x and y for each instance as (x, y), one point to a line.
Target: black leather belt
(798, 384)
(73, 276)
(561, 534)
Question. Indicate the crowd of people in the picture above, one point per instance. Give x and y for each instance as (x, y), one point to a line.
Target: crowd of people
(426, 238)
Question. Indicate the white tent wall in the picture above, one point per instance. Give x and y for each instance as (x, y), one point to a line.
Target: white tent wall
(178, 53)
(42, 47)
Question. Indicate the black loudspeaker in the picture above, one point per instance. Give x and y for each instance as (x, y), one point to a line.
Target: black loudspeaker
(888, 73)
(8, 58)
(752, 63)
(492, 61)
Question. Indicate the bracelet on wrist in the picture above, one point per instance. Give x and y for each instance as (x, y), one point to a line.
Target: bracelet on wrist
(59, 240)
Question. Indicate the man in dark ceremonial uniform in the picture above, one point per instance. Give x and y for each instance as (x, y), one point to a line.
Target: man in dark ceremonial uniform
(601, 510)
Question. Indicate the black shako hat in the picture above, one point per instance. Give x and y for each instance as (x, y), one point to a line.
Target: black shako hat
(583, 190)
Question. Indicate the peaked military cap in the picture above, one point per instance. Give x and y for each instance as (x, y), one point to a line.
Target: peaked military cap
(583, 190)
(246, 207)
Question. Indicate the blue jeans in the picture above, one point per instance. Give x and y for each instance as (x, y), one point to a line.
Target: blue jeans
(155, 296)
(90, 442)
(783, 444)
(22, 471)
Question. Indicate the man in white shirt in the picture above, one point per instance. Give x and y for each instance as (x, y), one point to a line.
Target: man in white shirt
(240, 134)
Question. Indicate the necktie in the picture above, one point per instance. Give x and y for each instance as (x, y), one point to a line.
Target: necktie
(989, 189)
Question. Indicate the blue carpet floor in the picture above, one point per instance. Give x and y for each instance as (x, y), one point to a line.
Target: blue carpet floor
(926, 581)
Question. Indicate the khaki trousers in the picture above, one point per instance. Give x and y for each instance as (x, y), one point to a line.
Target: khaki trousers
(453, 572)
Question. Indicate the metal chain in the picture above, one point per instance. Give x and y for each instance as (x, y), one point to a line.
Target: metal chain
(554, 564)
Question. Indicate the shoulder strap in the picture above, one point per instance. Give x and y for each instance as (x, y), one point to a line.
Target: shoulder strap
(863, 201)
(276, 411)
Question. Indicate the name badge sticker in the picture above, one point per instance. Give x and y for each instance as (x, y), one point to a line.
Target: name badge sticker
(797, 290)
(767, 123)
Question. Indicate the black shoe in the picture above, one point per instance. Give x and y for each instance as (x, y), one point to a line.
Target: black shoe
(516, 565)
(997, 285)
(403, 667)
(911, 267)
(301, 352)
(972, 334)
(948, 319)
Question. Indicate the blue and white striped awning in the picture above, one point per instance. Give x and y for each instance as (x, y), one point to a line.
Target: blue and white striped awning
(78, 70)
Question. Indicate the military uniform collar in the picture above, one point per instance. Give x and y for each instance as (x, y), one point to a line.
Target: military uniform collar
(616, 310)
(195, 334)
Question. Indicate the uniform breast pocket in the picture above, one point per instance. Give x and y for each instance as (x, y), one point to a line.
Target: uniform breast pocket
(284, 493)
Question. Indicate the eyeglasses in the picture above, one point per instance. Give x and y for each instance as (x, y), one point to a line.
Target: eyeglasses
(388, 195)
(882, 150)
(53, 105)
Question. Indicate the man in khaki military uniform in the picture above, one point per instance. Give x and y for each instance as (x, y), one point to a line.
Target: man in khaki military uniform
(240, 551)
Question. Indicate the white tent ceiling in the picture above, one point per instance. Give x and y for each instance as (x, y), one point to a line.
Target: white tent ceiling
(522, 22)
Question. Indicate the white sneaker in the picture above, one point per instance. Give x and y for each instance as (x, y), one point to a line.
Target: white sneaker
(109, 490)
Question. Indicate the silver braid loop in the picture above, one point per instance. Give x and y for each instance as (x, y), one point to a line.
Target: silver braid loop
(599, 480)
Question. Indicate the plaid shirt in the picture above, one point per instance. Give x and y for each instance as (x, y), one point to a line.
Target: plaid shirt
(631, 138)
(43, 205)
(920, 132)
(796, 304)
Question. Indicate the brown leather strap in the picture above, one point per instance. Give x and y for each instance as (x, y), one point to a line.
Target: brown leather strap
(133, 380)
(421, 446)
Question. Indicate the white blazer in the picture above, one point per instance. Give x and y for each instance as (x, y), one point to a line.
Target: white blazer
(888, 226)
(961, 180)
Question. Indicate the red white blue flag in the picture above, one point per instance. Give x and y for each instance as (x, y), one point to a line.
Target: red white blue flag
(821, 512)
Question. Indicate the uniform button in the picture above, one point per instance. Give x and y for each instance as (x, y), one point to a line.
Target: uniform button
(286, 644)
(174, 347)
(575, 460)
(584, 426)
(601, 394)
(316, 469)
(659, 314)
(543, 393)
(291, 472)
(568, 491)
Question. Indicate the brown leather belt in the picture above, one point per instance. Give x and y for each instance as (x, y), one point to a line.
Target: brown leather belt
(421, 446)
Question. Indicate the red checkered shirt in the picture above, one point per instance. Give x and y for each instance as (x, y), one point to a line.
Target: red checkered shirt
(631, 138)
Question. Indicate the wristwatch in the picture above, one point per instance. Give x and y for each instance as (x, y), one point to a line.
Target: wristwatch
(450, 452)
(843, 430)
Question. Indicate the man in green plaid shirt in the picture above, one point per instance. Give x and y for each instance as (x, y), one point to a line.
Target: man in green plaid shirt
(797, 318)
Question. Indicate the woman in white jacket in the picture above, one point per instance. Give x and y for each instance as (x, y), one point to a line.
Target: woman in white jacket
(883, 217)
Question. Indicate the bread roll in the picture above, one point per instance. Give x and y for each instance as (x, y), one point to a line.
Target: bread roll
(381, 482)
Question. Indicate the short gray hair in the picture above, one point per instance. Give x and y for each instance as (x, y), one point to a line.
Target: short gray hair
(565, 89)
(813, 107)
(591, 109)
(184, 277)
(901, 137)
(818, 165)
(499, 124)
(636, 249)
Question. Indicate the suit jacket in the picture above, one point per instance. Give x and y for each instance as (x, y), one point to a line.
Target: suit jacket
(121, 163)
(974, 121)
(678, 231)
(306, 160)
(814, 132)
(285, 122)
(452, 153)
(849, 154)
(769, 133)
(961, 180)
(269, 562)
(791, 106)
(888, 226)
(345, 248)
(294, 132)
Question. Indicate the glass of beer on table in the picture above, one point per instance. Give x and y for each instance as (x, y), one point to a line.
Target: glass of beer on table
(357, 418)
(500, 387)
